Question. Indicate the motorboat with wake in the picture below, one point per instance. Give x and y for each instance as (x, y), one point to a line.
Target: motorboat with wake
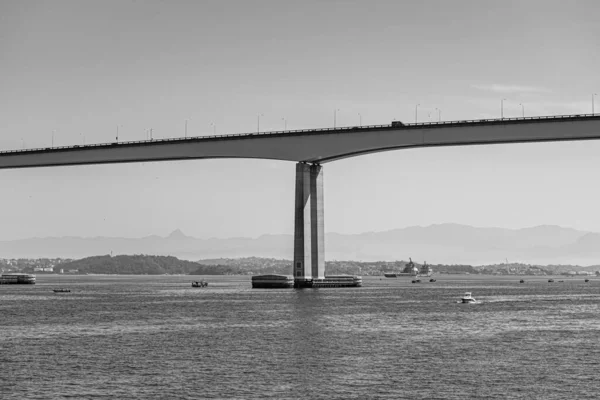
(467, 298)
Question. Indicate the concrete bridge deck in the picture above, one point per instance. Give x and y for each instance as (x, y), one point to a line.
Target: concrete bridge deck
(315, 145)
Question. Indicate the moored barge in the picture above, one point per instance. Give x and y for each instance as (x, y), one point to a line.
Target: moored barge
(17, 278)
(332, 281)
(272, 282)
(287, 281)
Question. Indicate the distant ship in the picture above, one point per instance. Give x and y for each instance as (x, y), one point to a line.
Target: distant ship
(409, 270)
(425, 270)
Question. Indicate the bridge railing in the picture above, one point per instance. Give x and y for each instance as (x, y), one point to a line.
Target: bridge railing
(393, 125)
(502, 120)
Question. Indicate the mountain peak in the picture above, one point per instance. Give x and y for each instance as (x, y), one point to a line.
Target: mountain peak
(177, 234)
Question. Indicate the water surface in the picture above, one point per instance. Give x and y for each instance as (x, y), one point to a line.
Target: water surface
(156, 337)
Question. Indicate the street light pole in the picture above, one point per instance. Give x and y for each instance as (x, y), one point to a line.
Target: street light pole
(593, 103)
(214, 128)
(117, 133)
(439, 114)
(416, 113)
(335, 117)
(186, 128)
(52, 138)
(502, 108)
(359, 119)
(284, 124)
(522, 109)
(258, 123)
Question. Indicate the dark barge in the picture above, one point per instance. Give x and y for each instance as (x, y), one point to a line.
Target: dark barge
(17, 279)
(288, 281)
(272, 282)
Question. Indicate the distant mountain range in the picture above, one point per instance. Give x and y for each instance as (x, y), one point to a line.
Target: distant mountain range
(440, 244)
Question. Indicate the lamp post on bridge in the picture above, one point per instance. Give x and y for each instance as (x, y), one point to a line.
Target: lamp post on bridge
(258, 122)
(359, 119)
(417, 113)
(284, 124)
(522, 109)
(335, 117)
(593, 95)
(186, 121)
(502, 108)
(439, 114)
(52, 138)
(214, 126)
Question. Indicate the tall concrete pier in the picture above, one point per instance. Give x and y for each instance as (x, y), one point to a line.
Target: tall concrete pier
(309, 229)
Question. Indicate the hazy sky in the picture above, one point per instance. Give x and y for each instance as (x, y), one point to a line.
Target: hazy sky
(80, 68)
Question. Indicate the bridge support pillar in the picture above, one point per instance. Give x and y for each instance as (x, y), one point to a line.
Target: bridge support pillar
(309, 229)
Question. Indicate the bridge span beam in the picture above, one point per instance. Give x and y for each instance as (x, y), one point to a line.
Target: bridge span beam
(309, 228)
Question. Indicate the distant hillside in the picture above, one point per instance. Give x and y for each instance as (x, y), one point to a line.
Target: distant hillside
(262, 266)
(245, 265)
(257, 265)
(158, 265)
(134, 265)
(437, 244)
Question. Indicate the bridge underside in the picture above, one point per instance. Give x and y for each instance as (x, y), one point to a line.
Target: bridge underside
(314, 146)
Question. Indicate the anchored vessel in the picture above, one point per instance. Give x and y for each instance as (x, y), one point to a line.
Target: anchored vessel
(17, 278)
(425, 270)
(287, 281)
(330, 281)
(411, 270)
(272, 282)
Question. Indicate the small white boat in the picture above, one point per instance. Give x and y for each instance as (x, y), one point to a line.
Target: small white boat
(467, 298)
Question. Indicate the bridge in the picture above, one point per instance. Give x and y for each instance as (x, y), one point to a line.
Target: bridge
(310, 149)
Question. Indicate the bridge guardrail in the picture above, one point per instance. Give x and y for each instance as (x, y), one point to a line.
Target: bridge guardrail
(400, 125)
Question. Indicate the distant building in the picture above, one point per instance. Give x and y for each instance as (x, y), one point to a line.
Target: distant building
(43, 269)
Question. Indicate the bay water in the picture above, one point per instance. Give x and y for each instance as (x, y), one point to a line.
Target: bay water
(156, 337)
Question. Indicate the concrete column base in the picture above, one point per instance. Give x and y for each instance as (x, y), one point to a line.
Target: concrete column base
(309, 229)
